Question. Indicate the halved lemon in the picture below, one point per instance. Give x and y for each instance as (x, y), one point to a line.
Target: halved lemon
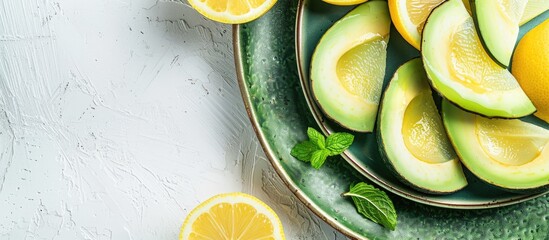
(232, 11)
(345, 2)
(409, 16)
(232, 216)
(531, 67)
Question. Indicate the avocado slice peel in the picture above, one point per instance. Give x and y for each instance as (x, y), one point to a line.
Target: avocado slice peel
(512, 154)
(462, 72)
(346, 80)
(412, 139)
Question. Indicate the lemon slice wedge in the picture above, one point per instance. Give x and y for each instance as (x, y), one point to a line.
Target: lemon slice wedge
(409, 17)
(345, 2)
(232, 11)
(232, 216)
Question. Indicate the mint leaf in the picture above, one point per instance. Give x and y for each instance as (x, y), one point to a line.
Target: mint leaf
(373, 204)
(318, 148)
(338, 142)
(304, 150)
(316, 137)
(319, 157)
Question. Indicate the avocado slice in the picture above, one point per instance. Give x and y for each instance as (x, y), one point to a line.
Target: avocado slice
(509, 153)
(461, 70)
(533, 9)
(497, 24)
(412, 137)
(348, 66)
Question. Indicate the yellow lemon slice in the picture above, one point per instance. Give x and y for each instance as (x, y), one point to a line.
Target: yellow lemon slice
(232, 11)
(232, 216)
(345, 2)
(409, 17)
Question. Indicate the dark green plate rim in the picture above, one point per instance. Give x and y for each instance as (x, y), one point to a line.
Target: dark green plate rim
(286, 178)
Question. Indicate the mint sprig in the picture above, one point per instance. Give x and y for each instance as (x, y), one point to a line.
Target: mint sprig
(317, 149)
(373, 204)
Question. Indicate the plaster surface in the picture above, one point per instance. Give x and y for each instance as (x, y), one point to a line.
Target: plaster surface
(117, 117)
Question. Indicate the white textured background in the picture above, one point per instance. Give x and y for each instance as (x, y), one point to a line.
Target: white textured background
(117, 117)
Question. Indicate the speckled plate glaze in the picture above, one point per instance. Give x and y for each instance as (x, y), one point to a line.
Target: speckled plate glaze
(313, 19)
(268, 78)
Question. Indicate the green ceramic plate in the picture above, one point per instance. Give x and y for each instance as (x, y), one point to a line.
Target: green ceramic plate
(313, 19)
(268, 77)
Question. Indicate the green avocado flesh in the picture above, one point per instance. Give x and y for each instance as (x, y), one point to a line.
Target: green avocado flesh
(346, 80)
(509, 153)
(533, 9)
(497, 24)
(460, 69)
(412, 136)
